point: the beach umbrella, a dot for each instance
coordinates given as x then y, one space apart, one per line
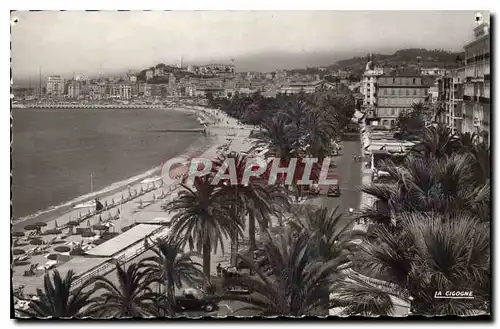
30 227
100 227
142 190
72 223
112 201
62 249
118 211
77 252
52 256
40 224
109 216
100 219
79 215
37 242
55 223
88 234
18 252
106 203
98 241
53 231
18 234
88 223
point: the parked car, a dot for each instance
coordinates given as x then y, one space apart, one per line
314 189
334 190
196 300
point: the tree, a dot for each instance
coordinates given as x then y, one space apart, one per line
172 267
411 123
255 197
132 297
334 239
443 185
58 300
432 252
294 283
203 218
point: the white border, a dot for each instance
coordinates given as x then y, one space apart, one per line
185 5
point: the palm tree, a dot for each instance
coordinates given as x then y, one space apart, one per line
432 252
172 267
436 141
280 137
335 237
202 216
131 297
443 185
58 300
295 283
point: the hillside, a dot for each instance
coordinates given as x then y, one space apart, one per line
404 57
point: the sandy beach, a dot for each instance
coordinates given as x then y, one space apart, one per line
146 205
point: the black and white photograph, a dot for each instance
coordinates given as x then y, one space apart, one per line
226 163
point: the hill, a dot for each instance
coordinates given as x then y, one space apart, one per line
403 58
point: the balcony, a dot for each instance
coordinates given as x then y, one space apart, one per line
483 100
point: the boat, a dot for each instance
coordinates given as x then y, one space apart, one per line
89 204
150 180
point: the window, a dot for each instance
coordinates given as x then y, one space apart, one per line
407 92
385 122
393 80
414 92
392 92
414 80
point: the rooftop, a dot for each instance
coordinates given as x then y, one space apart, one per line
124 240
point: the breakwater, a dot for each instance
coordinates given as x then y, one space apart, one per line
93 106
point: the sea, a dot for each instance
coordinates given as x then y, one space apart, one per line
57 153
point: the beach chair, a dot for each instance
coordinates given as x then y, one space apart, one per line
31 270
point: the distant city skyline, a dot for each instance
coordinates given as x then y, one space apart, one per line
88 42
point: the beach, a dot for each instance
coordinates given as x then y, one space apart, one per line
145 207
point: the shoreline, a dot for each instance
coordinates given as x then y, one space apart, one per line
200 145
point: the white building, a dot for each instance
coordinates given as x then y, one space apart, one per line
125 91
55 85
133 78
369 83
74 90
149 74
433 71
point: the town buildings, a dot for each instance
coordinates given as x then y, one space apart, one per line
396 92
476 94
465 92
55 86
307 87
369 83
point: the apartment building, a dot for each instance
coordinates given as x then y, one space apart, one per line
476 94
55 86
369 83
74 90
396 92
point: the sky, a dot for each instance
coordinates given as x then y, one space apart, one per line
88 42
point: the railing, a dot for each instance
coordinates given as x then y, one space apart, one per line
108 266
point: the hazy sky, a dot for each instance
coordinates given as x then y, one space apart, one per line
63 42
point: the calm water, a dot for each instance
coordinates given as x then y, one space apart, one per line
56 150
